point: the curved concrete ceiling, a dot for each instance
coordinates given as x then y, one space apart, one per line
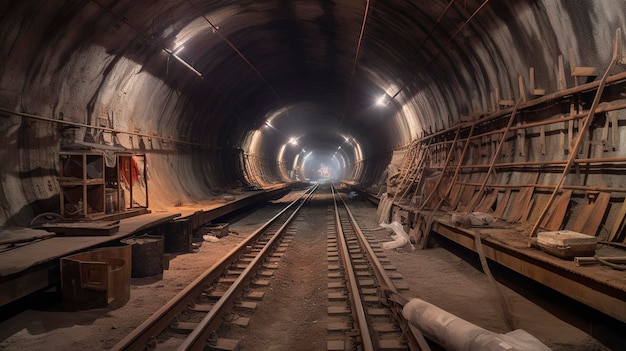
208 73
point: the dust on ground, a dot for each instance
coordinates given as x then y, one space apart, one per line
293 312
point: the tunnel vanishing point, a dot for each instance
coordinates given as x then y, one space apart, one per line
512 109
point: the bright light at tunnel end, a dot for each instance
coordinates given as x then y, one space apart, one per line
293 141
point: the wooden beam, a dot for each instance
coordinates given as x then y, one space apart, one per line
560 78
522 88
578 71
534 90
618 224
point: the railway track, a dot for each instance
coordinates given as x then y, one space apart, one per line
365 288
189 321
364 306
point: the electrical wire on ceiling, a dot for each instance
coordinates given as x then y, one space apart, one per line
241 55
151 41
430 32
432 59
356 61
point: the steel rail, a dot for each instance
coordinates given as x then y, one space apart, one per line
198 337
139 338
415 339
379 271
358 310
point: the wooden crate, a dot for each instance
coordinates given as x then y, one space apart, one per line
97 278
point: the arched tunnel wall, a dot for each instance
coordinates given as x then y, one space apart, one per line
103 65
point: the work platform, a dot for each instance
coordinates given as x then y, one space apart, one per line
596 286
31 267
599 287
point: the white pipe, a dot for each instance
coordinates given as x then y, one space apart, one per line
456 334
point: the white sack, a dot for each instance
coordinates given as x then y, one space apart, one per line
400 237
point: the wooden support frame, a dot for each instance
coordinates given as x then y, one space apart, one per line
581 132
571 129
443 172
496 155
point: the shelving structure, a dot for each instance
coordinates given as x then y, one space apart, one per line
91 190
82 181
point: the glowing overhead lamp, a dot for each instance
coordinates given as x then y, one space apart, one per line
293 141
383 100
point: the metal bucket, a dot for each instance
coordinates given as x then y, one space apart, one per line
147 255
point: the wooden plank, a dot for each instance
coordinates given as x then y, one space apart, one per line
93 228
554 218
499 212
589 219
560 78
16 235
455 197
526 214
523 200
585 72
476 198
522 88
582 217
580 71
533 89
466 195
618 225
488 200
599 210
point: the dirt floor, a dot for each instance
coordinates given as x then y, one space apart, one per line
293 312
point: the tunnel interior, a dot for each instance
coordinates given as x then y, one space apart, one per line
224 94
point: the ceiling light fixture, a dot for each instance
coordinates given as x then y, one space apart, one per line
383 100
190 67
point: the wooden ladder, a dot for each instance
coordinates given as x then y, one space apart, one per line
413 173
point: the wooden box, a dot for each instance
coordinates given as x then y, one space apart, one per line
567 244
97 278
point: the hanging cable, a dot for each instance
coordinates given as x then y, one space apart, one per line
430 32
170 53
355 63
442 48
243 57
